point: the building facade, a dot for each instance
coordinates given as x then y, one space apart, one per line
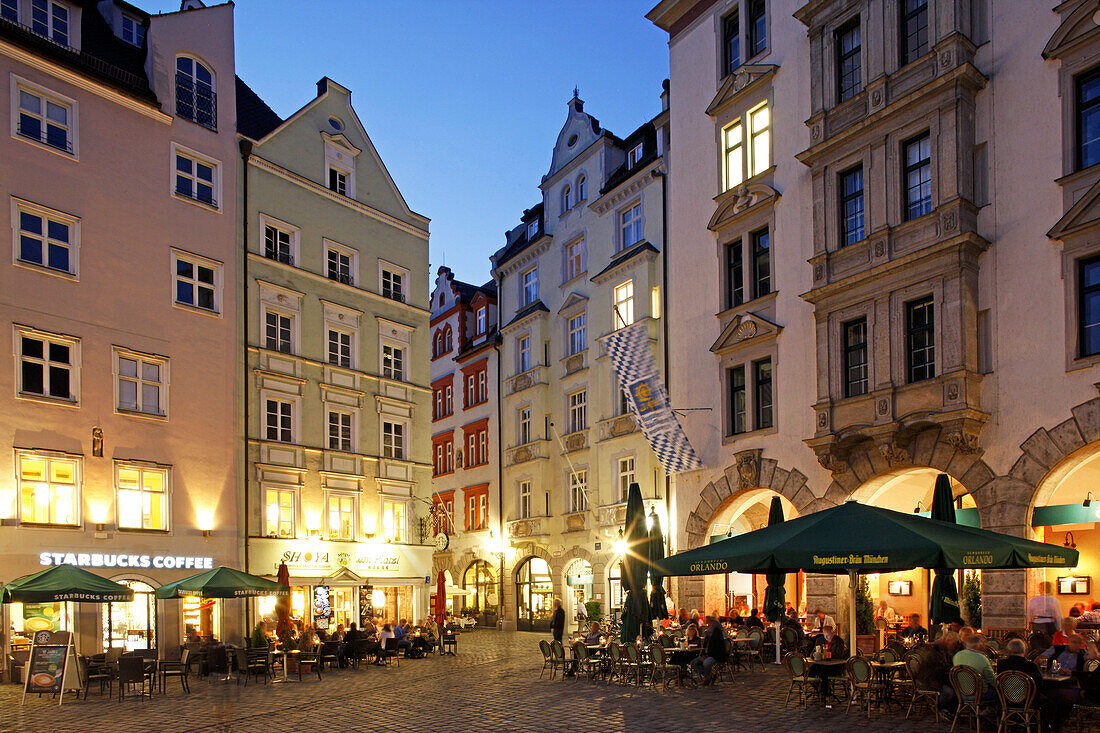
904 218
120 321
585 261
465 439
336 384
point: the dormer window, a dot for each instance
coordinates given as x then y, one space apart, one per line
340 163
133 32
481 320
50 20
532 229
338 181
196 99
635 155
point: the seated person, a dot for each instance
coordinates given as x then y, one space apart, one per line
821 620
754 621
935 672
1069 625
1071 656
691 637
353 634
835 647
337 635
914 630
973 657
383 635
369 629
592 638
1015 659
399 634
714 652
885 612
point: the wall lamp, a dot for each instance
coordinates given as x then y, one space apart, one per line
1070 542
1088 500
919 508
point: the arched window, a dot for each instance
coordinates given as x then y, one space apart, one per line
132 624
582 188
196 99
480 578
442 342
566 198
534 595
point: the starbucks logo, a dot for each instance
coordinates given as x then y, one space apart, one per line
43 637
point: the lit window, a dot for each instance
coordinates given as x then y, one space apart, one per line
197 282
524 499
339 430
46 118
630 226
341 516
48 489
393 285
50 20
280 512
133 32
626 476
578 341
578 411
760 142
733 147
623 304
918 176
278 245
635 155
339 348
574 259
393 362
394 520
578 491
279 421
196 178
196 99
393 440
530 282
277 332
47 365
46 239
142 497
142 382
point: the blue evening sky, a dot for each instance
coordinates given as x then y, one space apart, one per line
463 99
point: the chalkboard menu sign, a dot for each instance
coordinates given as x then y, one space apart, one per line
46 667
322 606
366 604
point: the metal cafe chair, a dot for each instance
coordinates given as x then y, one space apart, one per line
921 696
181 669
1017 692
859 684
968 689
805 685
557 658
312 659
131 671
547 660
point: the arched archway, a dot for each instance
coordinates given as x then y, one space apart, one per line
580 587
131 624
480 577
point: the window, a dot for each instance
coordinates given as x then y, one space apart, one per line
197 282
566 198
524 499
48 489
848 61
338 181
277 330
530 284
393 285
482 391
483 446
133 32
624 402
394 520
623 304
532 229
280 510
735 275
731 42
481 320
578 491
50 20
46 239
918 176
142 497
442 342
630 226
195 178
339 348
626 476
393 362
758 27
920 338
472 457
393 439
761 263
279 421
447 401
914 30
855 357
635 155
341 516
142 382
582 187
277 245
339 430
851 206
1088 278
47 365
340 267
46 118
1088 119
578 341
760 141
525 426
9 10
524 351
578 411
736 377
762 396
734 153
196 99
575 258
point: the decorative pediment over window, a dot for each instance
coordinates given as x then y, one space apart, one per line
1083 215
738 201
575 300
742 329
341 141
740 84
1077 27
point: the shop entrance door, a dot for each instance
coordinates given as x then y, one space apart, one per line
131 625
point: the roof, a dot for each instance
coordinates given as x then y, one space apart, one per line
627 254
254 118
516 240
647 136
492 336
527 310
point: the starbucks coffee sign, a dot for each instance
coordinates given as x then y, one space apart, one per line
119 560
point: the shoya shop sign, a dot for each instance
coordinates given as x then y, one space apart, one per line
120 560
363 558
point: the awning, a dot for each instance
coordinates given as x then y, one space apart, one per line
1052 516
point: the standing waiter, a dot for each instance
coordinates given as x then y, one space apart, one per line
557 621
1044 613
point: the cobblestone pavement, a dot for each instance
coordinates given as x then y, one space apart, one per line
492 685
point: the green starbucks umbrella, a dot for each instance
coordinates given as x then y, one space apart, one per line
65 583
943 605
635 566
222 582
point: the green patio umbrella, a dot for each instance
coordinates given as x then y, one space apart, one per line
658 609
222 582
65 583
775 595
943 604
635 566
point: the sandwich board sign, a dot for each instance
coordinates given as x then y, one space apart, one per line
51 663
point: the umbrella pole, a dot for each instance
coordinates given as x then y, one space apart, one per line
853 585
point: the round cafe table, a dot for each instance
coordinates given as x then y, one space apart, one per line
825 669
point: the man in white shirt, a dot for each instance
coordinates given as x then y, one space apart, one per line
822 620
884 611
1043 612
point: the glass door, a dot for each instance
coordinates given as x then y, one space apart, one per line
131 625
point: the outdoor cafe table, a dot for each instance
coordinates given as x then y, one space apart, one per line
825 669
286 655
885 672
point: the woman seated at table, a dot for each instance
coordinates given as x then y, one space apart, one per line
714 653
753 621
1078 686
691 637
1069 626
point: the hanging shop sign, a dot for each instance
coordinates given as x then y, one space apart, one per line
120 560
321 558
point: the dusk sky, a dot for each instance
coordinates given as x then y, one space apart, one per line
463 99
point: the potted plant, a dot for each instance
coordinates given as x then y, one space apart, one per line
866 636
972 599
593 608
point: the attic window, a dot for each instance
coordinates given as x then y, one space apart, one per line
133 32
635 155
532 229
336 124
572 140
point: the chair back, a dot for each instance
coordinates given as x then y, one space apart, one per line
631 652
993 645
242 659
897 647
666 641
185 658
795 664
1039 640
880 623
544 647
615 651
888 655
557 651
580 651
113 654
1092 665
859 670
756 638
912 666
657 652
389 644
1016 690
789 637
131 669
967 684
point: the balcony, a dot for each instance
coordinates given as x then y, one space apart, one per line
615 427
529 452
576 521
536 375
575 441
612 516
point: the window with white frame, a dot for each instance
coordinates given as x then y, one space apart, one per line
393 284
472 458
523 350
142 497
575 257
279 420
142 382
566 198
393 362
582 187
395 519
280 512
484 509
630 226
278 332
46 238
339 430
760 138
393 439
340 348
340 264
529 281
46 117
49 488
196 177
626 476
578 491
524 499
578 340
532 229
635 155
481 320
341 515
622 305
578 411
524 422
196 98
279 243
133 32
483 445
733 154
338 180
48 365
198 281
9 10
50 20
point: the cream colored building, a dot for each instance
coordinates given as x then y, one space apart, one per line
118 178
338 404
930 244
586 260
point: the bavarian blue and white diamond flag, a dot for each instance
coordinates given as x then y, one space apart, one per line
633 362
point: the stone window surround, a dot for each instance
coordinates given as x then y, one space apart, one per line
835 328
1074 250
739 110
763 348
718 19
742 229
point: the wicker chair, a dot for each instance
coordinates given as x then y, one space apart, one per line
789 637
661 666
967 684
585 663
547 663
557 658
666 641
859 685
795 665
632 663
726 666
888 656
921 696
756 644
614 662
1016 691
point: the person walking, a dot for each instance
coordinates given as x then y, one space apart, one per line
557 621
